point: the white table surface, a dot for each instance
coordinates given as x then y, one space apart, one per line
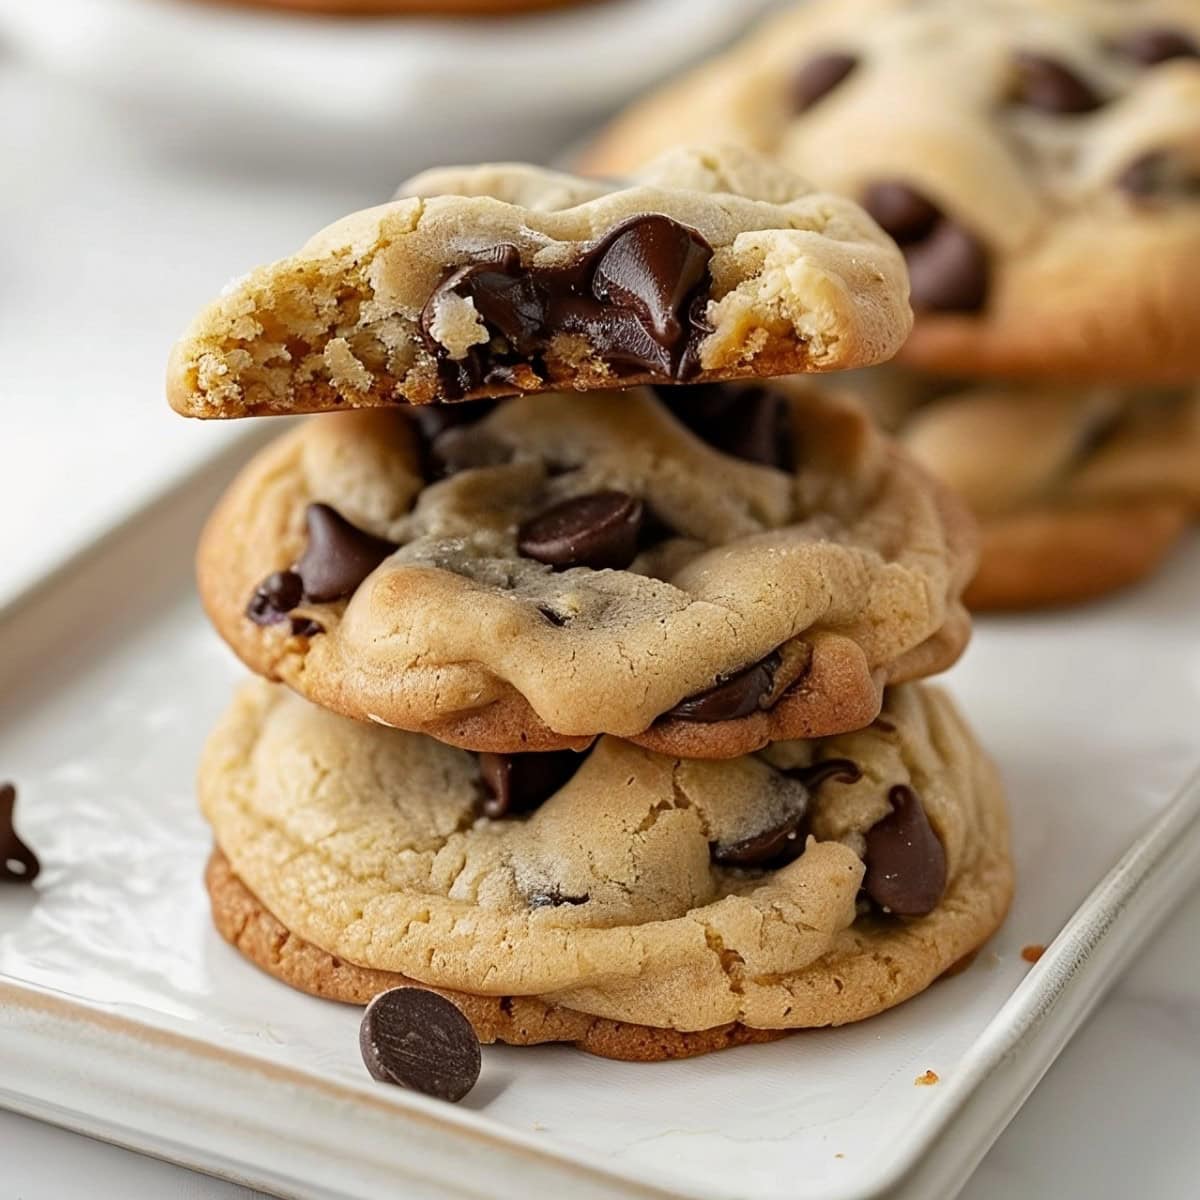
106 249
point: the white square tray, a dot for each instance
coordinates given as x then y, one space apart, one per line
122 1014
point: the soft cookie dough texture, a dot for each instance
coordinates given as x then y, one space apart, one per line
365 844
800 281
1078 490
1083 192
849 567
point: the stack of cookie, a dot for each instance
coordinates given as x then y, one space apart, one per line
1039 163
591 704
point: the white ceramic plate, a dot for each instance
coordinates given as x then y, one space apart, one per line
122 1014
269 84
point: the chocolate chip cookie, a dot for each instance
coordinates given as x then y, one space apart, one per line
490 281
1079 490
701 575
1038 163
618 893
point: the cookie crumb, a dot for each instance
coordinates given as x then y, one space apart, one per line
1032 952
839 1156
928 1079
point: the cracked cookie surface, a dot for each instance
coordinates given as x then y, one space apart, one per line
368 844
1039 164
1079 490
555 568
499 280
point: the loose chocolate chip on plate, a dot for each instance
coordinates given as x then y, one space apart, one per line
906 863
737 696
1051 86
339 555
515 783
18 864
817 77
1153 46
275 597
599 530
418 1040
948 270
901 210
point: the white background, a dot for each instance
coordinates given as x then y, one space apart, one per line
109 240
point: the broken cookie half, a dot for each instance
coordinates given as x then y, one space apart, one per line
498 280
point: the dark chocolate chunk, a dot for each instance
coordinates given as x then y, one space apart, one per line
901 210
817 77
18 864
652 267
1153 46
906 863
418 1040
1158 173
338 557
948 270
751 422
773 848
598 530
638 296
1051 86
553 898
732 697
515 783
275 597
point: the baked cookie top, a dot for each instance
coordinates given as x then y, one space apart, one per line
1038 161
531 574
498 280
811 884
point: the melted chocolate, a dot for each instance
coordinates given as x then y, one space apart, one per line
637 296
517 783
906 863
736 696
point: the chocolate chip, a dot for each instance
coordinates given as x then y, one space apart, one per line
555 618
818 77
901 210
306 627
515 783
638 296
815 774
418 1040
275 597
553 898
735 696
906 864
1153 46
948 270
752 422
338 557
773 848
18 864
1158 173
598 530
1050 86
652 267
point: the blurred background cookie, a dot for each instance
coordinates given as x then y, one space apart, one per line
1038 163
